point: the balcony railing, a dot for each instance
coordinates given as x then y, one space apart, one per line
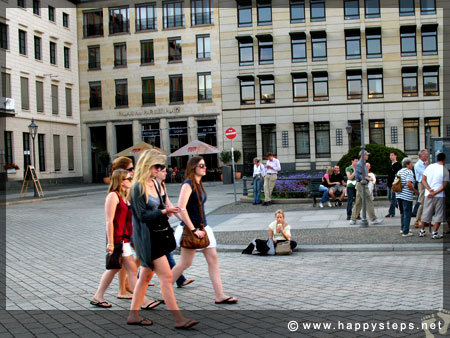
148 98
145 24
176 96
93 29
119 27
171 21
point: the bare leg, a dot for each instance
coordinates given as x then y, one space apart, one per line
332 195
105 281
342 195
436 226
186 258
123 292
139 294
131 270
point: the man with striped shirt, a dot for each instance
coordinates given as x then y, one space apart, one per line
405 197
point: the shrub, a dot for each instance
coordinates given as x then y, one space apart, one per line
225 156
378 159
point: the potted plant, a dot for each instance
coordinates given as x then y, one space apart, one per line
11 168
225 157
105 160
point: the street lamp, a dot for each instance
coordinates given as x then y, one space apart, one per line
364 223
349 133
33 127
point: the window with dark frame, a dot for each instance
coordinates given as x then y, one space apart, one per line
36 7
320 86
174 49
265 49
147 52
245 50
120 54
65 18
406 7
269 138
373 42
375 83
427 7
247 89
317 10
300 87
70 158
322 138
411 136
204 87
52 53
121 93
39 96
372 8
244 8
203 47
37 48
148 90
8 147
354 84
409 81
3 36
173 14
55 100
431 80
201 12
266 88
351 9
93 23
352 44
264 12
145 17
66 57
176 88
429 39
432 129
94 57
22 42
302 146
68 101
319 45
408 40
298 47
24 93
376 132
21 3
41 151
297 10
56 153
118 20
51 13
95 94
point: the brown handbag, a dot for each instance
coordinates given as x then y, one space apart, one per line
188 239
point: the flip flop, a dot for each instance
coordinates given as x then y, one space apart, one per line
228 300
186 282
186 326
103 304
151 284
125 297
142 322
151 306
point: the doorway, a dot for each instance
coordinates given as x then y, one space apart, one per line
98 144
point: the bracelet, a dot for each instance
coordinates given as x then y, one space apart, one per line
195 229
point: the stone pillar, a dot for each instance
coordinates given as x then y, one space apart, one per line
192 129
137 132
164 134
110 138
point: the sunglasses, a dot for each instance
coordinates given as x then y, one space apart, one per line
202 166
128 179
130 169
160 166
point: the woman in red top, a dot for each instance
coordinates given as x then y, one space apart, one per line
118 230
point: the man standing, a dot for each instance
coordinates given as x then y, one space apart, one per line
361 173
419 168
393 169
351 183
435 179
272 168
338 187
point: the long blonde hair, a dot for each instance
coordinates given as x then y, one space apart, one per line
142 172
117 177
330 171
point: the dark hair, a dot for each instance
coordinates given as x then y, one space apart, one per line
269 153
355 158
120 163
440 157
190 173
394 152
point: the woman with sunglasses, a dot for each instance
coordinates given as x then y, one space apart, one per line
192 203
153 238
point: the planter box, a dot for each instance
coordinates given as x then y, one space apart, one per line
11 171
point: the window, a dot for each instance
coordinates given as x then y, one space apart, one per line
376 132
70 161
3 36
65 18
353 44
351 9
55 101
409 81
267 88
51 13
56 153
148 90
8 147
317 10
375 83
320 86
302 148
120 54
201 12
269 138
406 7
37 48
26 150
145 17
265 49
93 23
118 20
173 14
430 80
95 94
264 11
147 55
22 42
297 10
6 85
298 47
21 3
36 7
245 50
176 88
39 96
41 151
319 46
373 42
174 49
432 129
408 40
372 8
68 101
52 53
25 94
322 133
204 86
203 47
121 93
247 89
411 136
66 57
300 86
427 7
94 57
429 40
354 84
244 13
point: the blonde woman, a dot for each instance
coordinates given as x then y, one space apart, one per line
153 238
280 230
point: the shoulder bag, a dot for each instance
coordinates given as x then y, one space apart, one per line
114 261
283 248
397 184
188 239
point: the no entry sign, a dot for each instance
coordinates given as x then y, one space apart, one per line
230 133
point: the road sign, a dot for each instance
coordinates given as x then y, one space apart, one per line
230 133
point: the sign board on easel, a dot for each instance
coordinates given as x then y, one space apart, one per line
30 174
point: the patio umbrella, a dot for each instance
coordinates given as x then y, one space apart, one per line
195 147
137 149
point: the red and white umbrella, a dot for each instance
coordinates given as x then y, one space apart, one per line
195 147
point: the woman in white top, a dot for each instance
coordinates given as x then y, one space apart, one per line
371 184
258 174
280 230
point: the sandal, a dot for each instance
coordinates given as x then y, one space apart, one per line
103 304
186 282
142 322
186 326
228 300
151 306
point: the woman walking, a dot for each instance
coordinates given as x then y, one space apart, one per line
191 201
153 238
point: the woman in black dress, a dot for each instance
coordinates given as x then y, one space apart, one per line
153 238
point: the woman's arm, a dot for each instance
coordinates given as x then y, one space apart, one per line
286 232
111 202
139 205
185 193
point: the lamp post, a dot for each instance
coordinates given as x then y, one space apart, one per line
349 133
33 127
364 223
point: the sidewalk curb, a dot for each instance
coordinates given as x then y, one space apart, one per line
51 198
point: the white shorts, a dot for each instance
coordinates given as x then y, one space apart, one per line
127 250
209 232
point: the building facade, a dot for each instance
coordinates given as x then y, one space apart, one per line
148 72
292 73
39 81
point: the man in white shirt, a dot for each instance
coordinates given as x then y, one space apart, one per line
419 168
435 179
272 168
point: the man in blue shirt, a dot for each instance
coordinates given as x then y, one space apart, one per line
419 168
